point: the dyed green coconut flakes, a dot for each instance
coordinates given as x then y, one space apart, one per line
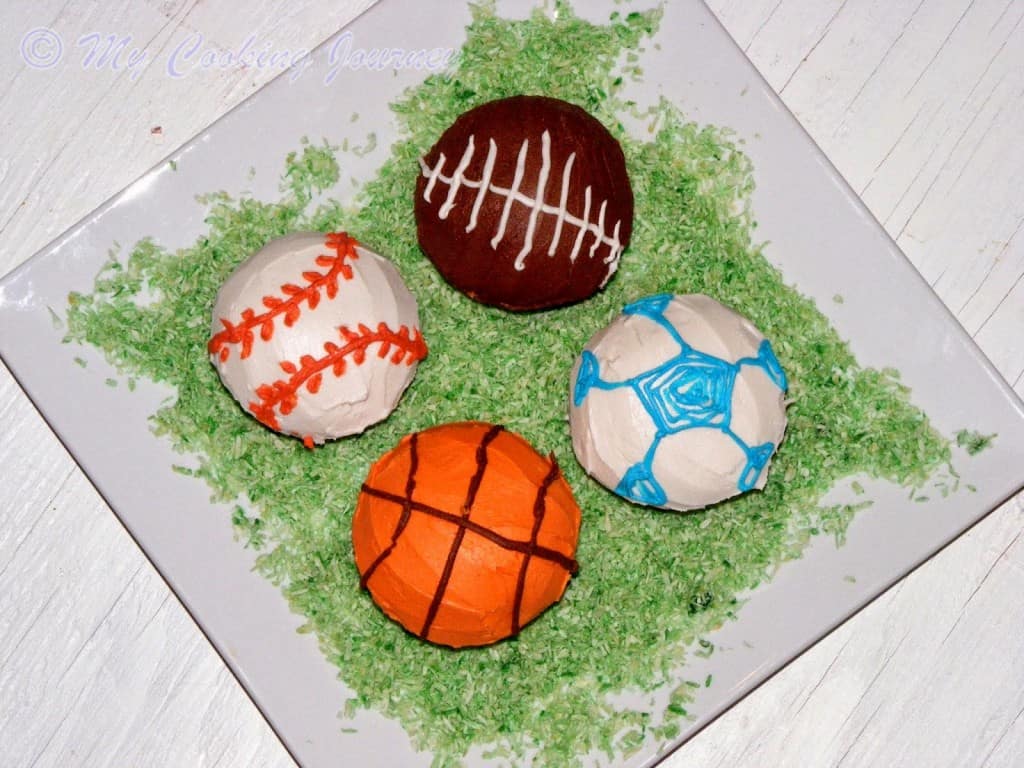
974 442
652 584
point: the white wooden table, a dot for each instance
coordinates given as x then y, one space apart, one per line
920 104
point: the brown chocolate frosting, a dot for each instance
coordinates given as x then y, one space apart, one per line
525 203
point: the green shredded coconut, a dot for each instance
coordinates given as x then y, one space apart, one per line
973 442
652 585
368 147
666 733
704 650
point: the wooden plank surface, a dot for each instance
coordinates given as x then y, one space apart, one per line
919 103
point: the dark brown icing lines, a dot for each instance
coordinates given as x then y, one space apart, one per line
460 534
403 520
545 553
529 549
539 508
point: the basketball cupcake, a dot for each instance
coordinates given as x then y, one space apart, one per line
463 534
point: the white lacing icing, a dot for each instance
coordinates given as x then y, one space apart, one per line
583 229
453 190
485 183
510 195
562 210
536 204
432 176
538 198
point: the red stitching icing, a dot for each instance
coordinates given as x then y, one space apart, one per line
344 247
283 395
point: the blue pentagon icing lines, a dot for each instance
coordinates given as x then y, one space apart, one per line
690 390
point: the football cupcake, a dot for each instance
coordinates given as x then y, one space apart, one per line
524 203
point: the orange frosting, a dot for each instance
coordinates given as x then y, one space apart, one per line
463 533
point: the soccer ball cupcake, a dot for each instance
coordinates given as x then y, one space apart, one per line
679 403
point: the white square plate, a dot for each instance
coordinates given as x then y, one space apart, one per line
819 234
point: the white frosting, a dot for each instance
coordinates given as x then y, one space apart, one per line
373 294
510 198
485 182
563 207
694 466
587 199
538 201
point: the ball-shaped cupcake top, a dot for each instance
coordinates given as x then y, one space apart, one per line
463 533
678 403
316 336
525 203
